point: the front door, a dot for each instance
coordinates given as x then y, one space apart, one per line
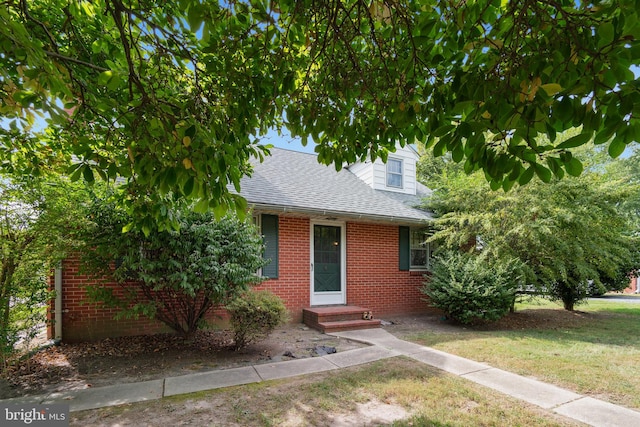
328 257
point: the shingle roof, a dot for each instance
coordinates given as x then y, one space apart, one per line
290 181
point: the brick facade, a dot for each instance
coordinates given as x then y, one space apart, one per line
374 281
84 321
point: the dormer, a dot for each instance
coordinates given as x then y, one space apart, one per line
397 175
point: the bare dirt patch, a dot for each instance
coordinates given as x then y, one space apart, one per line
141 358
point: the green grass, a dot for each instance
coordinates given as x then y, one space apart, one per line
430 397
597 353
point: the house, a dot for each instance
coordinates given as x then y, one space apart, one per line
634 287
351 238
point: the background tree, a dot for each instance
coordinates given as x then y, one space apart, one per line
40 222
569 234
172 96
174 277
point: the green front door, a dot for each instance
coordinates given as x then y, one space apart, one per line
327 255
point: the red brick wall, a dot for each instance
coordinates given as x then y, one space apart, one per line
84 321
374 281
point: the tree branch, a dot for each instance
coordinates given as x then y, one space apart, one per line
75 60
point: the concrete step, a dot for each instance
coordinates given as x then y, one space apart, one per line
347 325
338 318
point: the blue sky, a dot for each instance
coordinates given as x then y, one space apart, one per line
287 141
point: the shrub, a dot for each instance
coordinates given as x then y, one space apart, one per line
471 288
254 315
176 277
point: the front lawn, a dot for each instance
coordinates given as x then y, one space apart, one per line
593 351
398 391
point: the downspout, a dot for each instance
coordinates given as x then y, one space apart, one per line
57 308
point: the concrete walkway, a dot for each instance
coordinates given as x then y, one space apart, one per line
383 345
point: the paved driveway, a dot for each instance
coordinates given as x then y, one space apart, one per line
634 299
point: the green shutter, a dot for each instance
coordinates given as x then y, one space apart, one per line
404 248
270 235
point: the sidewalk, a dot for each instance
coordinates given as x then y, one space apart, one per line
383 345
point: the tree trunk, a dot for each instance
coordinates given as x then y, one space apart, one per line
568 303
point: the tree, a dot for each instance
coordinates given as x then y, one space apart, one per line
39 223
174 277
569 234
172 96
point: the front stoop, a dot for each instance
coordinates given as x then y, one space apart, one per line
337 318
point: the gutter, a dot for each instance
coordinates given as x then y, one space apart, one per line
340 214
57 308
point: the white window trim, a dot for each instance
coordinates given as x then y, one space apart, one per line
401 174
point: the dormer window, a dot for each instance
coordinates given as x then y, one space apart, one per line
394 173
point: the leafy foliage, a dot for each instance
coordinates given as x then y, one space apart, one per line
173 96
174 277
254 315
472 288
39 223
570 234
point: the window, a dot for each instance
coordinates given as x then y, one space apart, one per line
394 173
418 249
414 251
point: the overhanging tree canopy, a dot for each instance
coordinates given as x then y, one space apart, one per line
172 95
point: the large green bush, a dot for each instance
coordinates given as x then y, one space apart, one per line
254 315
176 277
470 288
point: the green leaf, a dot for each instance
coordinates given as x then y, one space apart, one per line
187 189
507 184
104 77
77 171
617 147
468 167
605 33
551 88
564 110
543 173
526 176
114 82
464 129
202 206
195 17
551 132
574 167
128 227
575 141
443 130
457 154
603 136
440 148
87 173
171 177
